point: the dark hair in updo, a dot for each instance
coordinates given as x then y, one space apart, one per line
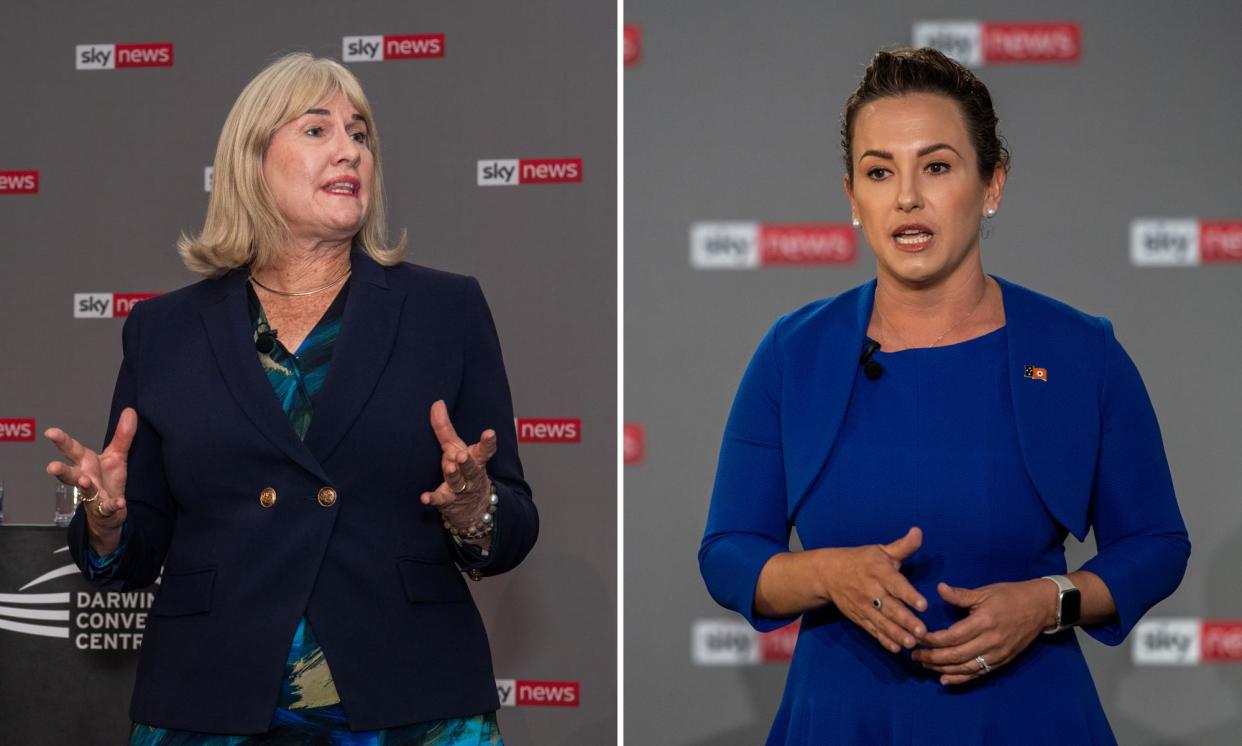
925 70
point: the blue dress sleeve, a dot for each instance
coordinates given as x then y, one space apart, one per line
1142 543
747 524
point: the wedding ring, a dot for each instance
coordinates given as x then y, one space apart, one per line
99 510
878 603
983 665
464 486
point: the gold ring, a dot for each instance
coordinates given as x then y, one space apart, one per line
89 499
464 486
99 510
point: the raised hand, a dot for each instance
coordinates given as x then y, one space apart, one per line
99 477
860 576
462 498
1004 619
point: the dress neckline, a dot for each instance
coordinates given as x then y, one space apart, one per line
964 344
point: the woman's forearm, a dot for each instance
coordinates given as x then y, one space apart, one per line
1096 601
793 582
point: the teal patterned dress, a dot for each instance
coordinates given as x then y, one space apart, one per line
308 709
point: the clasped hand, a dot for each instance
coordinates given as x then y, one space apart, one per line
1004 618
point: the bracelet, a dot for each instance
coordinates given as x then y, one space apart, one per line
478 529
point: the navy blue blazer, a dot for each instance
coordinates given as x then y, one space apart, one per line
1088 435
373 571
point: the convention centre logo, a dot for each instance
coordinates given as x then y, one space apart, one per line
386 48
521 693
91 620
517 171
19 182
632 49
634 443
17 430
733 642
979 43
117 56
545 430
746 245
106 305
1186 642
1184 242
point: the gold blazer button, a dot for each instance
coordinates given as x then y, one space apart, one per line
327 496
267 498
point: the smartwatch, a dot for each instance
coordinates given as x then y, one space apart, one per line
1069 604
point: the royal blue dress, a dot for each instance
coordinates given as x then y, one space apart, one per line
933 443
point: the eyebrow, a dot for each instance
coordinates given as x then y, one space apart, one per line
922 151
326 113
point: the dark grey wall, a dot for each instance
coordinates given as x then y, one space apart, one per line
733 114
121 155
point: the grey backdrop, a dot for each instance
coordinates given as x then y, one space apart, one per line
733 114
121 155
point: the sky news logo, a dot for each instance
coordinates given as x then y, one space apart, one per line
544 430
1184 242
209 174
116 56
17 430
387 48
634 443
979 43
519 693
632 45
106 305
1186 642
733 642
738 245
19 182
513 171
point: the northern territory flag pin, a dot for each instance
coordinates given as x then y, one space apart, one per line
1038 374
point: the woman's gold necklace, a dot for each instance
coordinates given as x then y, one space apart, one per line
338 278
936 341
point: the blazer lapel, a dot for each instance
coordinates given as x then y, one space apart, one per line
365 342
232 340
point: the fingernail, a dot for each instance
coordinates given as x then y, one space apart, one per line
919 631
909 642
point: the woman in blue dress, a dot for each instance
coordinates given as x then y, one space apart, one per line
934 436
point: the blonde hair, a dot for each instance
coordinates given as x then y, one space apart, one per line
243 226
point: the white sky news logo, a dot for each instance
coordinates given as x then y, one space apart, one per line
17 430
1184 242
746 245
209 174
19 182
978 43
545 430
106 305
520 693
115 56
515 171
387 47
733 642
1186 642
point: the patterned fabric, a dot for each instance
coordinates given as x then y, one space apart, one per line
308 709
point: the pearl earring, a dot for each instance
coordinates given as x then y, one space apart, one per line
857 223
991 212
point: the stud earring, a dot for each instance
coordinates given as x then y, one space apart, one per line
857 223
991 212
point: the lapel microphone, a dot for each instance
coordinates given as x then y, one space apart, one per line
870 367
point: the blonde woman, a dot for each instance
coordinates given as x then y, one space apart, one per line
283 454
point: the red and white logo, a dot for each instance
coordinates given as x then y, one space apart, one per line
634 442
1186 642
514 171
19 182
1220 641
106 305
18 430
1184 242
544 430
733 642
384 48
977 43
115 56
750 245
632 51
520 693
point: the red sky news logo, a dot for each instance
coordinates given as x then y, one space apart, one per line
733 642
514 171
114 56
1186 642
544 430
387 47
1184 242
743 245
978 43
106 305
632 51
19 182
519 693
633 443
19 430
